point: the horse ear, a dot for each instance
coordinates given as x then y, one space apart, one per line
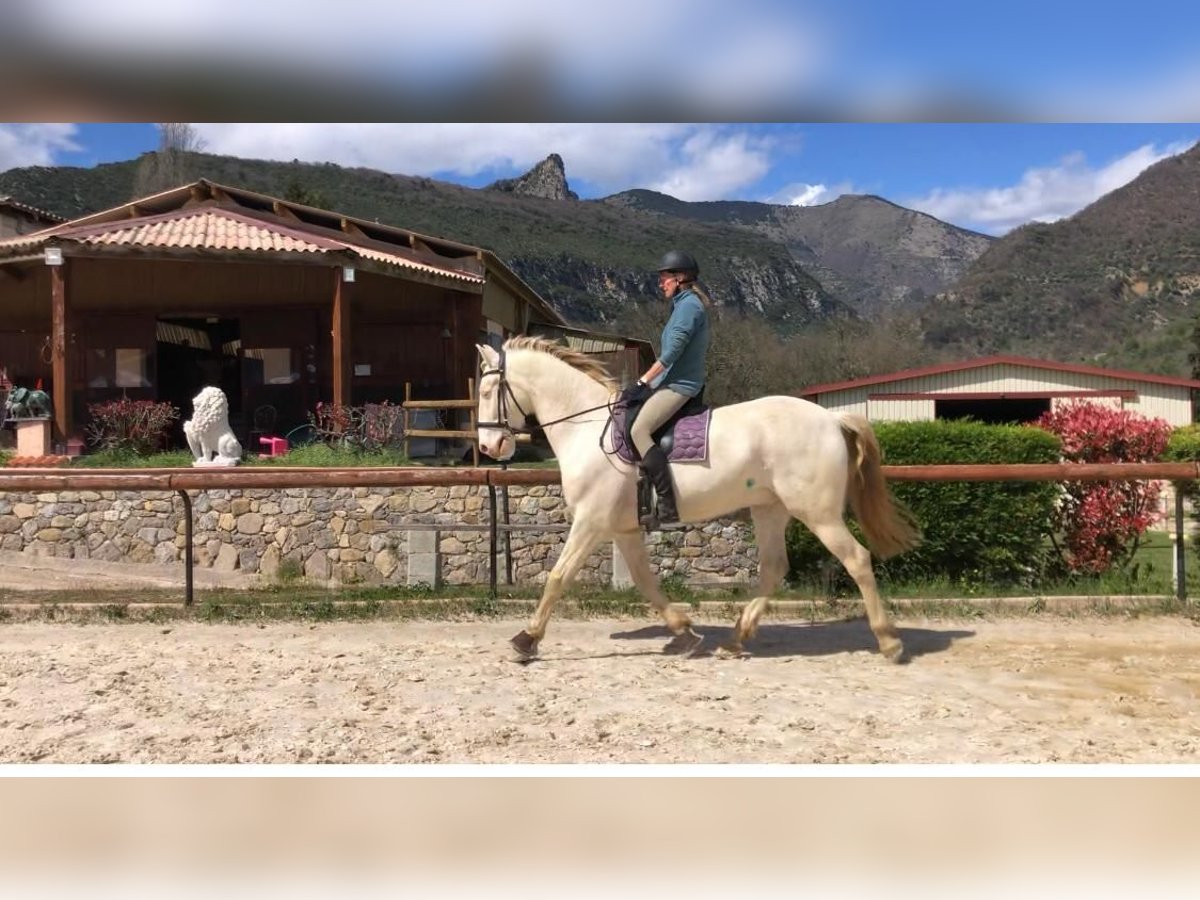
490 357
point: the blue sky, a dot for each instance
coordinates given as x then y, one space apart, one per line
988 177
985 115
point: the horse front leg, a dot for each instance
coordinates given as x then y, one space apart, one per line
581 541
633 550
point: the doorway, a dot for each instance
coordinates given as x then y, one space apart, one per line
193 353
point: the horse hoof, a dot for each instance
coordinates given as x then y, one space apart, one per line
731 651
684 644
895 654
525 645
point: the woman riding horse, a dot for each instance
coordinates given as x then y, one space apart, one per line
677 375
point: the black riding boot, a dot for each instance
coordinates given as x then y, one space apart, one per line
655 464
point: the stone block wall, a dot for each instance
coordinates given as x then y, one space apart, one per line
348 535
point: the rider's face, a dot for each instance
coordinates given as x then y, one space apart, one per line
668 283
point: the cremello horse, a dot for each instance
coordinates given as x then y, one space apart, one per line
782 457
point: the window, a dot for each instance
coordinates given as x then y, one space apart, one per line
130 367
269 365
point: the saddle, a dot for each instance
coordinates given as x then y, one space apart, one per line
683 437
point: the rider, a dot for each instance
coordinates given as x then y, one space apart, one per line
677 375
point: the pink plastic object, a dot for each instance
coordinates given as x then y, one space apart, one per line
276 446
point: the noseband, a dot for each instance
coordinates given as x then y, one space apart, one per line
503 395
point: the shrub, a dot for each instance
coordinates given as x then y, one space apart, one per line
974 532
1102 522
374 426
130 426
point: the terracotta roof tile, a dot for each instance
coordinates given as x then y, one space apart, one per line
215 228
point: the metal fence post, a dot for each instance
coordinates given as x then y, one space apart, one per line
508 565
187 548
492 531
1180 547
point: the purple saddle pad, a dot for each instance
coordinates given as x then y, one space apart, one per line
691 437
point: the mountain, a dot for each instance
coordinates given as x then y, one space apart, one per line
868 252
592 260
548 180
1115 284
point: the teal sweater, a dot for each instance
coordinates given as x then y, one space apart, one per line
685 345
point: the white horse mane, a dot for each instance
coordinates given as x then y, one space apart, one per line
576 360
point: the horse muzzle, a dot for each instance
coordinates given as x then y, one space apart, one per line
497 445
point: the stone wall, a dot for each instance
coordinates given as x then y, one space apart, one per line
349 535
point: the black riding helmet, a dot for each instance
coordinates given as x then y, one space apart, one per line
678 261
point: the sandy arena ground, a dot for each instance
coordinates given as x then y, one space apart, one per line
1040 689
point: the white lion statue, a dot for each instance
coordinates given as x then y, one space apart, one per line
208 432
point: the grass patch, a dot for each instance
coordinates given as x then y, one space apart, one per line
317 455
719 604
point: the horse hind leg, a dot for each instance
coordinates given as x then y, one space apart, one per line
770 533
633 550
857 560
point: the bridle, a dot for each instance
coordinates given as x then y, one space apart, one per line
505 393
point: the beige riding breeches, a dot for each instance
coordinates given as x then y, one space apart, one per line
661 406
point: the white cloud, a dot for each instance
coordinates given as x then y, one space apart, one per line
1043 194
34 145
804 194
691 162
715 164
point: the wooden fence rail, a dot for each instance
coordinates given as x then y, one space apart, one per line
182 480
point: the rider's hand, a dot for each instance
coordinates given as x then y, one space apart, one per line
636 393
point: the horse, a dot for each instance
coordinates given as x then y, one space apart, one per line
782 457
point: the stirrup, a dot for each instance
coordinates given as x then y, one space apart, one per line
650 521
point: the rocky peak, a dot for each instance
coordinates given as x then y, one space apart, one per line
548 180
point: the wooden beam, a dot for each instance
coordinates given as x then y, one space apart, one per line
351 229
284 212
341 339
58 350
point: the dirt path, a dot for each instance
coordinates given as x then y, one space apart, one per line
1044 689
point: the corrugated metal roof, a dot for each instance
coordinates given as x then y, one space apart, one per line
999 360
220 229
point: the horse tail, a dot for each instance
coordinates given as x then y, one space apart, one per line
888 525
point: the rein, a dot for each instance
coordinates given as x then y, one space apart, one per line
506 392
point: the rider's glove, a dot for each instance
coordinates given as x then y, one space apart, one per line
636 393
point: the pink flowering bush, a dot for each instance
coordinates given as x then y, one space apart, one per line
1101 522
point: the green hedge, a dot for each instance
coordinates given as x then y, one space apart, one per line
1183 445
974 532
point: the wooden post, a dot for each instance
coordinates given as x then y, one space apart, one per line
58 349
472 413
407 422
340 331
